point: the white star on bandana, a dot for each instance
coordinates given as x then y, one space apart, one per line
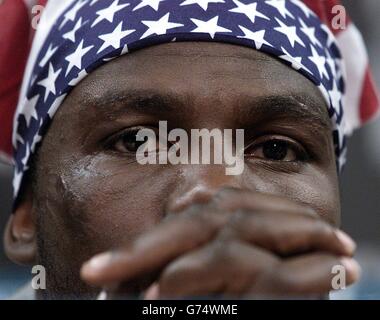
160 26
109 13
113 39
280 5
75 59
71 34
250 10
154 4
290 32
202 3
211 26
257 37
71 15
49 82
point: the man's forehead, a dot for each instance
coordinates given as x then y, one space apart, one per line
179 65
162 71
198 49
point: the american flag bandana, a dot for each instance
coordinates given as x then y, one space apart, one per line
89 33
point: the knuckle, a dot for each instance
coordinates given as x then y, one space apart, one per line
226 191
236 220
221 251
236 227
323 230
223 195
287 281
200 218
173 275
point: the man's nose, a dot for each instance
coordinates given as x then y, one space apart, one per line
198 184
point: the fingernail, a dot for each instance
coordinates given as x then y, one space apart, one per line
352 268
152 293
97 263
346 240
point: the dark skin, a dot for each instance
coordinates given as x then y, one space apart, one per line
186 230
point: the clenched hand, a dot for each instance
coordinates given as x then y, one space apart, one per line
239 244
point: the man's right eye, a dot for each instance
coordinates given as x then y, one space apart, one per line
127 142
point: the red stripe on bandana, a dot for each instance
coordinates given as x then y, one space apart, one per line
324 10
369 102
14 47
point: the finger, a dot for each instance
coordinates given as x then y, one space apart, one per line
288 233
153 250
310 275
226 268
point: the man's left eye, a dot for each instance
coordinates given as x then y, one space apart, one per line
276 150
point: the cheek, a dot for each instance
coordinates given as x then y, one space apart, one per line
320 194
316 188
108 202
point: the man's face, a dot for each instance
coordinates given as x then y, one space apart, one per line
92 195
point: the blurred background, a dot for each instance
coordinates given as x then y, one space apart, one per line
360 183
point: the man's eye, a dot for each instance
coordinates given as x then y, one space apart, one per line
127 141
277 150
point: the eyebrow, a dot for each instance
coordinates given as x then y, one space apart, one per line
301 107
114 104
289 107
